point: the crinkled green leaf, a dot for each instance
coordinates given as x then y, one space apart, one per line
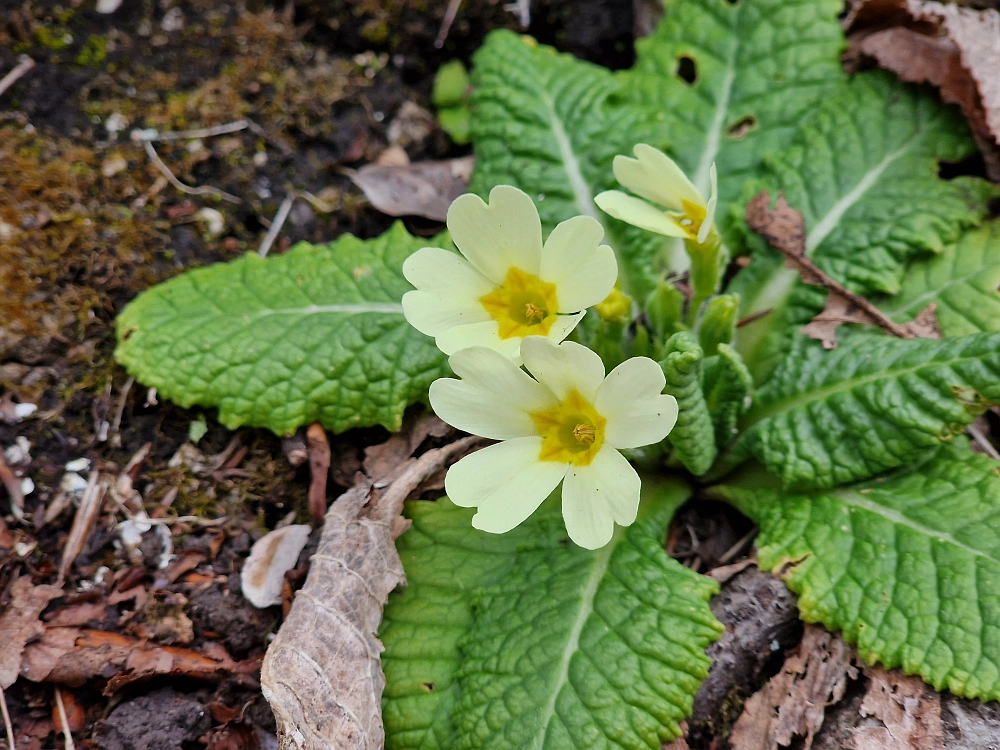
314 335
830 417
727 386
760 67
863 172
962 281
526 640
542 121
693 437
718 323
908 566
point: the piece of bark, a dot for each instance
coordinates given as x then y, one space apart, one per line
908 709
322 674
319 467
953 48
424 188
793 702
20 624
785 229
969 725
761 618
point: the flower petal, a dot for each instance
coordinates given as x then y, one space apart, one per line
564 325
713 201
439 271
477 334
596 496
495 237
432 314
564 367
656 177
473 410
639 213
506 482
631 399
583 270
502 379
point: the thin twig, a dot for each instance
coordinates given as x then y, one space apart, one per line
277 224
6 719
83 522
117 422
983 442
63 720
181 135
446 22
523 10
24 64
730 553
165 171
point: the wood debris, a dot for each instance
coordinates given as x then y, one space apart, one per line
908 709
785 229
794 701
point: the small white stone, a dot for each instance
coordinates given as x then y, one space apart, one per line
213 220
78 464
108 6
22 411
27 486
115 123
73 484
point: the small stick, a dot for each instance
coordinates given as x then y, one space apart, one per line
277 224
13 486
121 405
63 720
180 135
983 442
446 22
83 522
319 466
165 171
23 66
6 720
730 553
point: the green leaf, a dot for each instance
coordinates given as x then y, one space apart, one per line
542 121
760 67
962 281
526 640
908 566
314 335
451 83
727 386
693 437
863 171
826 418
718 323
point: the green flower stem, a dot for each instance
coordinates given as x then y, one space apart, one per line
707 261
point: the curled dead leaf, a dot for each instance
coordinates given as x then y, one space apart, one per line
271 557
20 624
424 188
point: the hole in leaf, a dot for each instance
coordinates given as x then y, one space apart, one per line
741 127
687 69
428 686
971 166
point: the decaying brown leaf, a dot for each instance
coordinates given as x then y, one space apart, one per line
71 656
19 624
909 710
384 462
794 701
322 674
271 557
319 466
424 188
956 49
785 229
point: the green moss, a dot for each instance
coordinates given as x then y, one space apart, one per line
53 37
94 52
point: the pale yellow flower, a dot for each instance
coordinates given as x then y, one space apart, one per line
654 176
508 285
566 424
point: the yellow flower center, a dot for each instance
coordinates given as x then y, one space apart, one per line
572 432
694 216
523 305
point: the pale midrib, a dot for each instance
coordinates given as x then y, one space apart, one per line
852 498
581 190
351 309
714 140
601 560
775 291
918 302
841 387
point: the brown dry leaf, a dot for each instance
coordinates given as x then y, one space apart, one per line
384 462
20 624
71 656
794 701
424 188
322 674
785 229
271 557
956 49
909 710
319 467
77 615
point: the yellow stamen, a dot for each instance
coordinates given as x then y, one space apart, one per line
572 432
523 305
694 216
